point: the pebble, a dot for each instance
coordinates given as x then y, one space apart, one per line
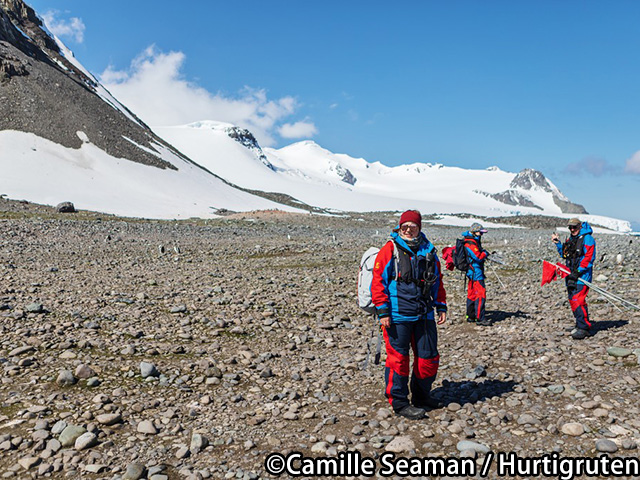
619 352
35 308
526 419
148 370
607 446
572 428
466 445
66 378
400 445
29 462
21 350
134 471
84 371
109 419
86 440
198 442
147 427
70 434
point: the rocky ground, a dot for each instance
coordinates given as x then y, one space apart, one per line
146 349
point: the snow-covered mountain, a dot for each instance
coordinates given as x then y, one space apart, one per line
64 137
340 182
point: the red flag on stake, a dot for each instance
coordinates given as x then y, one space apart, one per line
550 272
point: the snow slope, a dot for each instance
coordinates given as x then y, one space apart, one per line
45 172
339 182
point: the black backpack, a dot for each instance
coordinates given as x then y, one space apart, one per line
460 260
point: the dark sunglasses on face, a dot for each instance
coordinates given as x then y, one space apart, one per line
574 227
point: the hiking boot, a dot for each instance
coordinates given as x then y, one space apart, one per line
430 402
470 320
580 333
484 323
411 412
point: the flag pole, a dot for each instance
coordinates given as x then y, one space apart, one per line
600 290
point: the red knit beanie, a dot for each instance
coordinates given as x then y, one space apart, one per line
411 216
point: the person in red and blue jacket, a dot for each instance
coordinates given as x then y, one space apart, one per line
476 290
579 252
406 288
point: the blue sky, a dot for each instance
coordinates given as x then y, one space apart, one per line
551 85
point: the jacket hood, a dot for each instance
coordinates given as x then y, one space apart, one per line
586 229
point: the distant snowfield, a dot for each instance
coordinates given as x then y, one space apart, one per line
317 177
41 171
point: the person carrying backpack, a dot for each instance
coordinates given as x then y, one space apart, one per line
476 291
579 252
406 288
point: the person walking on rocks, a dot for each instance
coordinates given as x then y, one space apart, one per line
476 290
579 253
406 288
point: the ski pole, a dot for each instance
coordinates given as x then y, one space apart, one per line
496 274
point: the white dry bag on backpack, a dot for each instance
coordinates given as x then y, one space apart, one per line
365 277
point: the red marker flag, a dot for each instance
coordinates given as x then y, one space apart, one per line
550 272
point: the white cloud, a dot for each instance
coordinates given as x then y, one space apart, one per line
297 130
154 88
633 164
72 28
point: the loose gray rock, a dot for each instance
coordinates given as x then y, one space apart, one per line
607 446
29 462
465 445
84 371
134 471
66 378
70 434
35 308
526 419
147 427
572 428
21 350
86 440
619 352
400 444
109 419
148 370
198 443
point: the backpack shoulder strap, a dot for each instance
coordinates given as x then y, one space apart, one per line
396 260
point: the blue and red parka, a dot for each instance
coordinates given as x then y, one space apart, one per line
475 255
580 252
407 286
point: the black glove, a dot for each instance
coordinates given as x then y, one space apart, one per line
573 277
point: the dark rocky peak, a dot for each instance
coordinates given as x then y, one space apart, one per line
246 138
44 93
243 136
21 27
345 175
529 178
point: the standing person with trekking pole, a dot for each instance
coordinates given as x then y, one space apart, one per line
476 290
579 253
406 288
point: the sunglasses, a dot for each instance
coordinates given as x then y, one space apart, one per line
574 227
411 228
